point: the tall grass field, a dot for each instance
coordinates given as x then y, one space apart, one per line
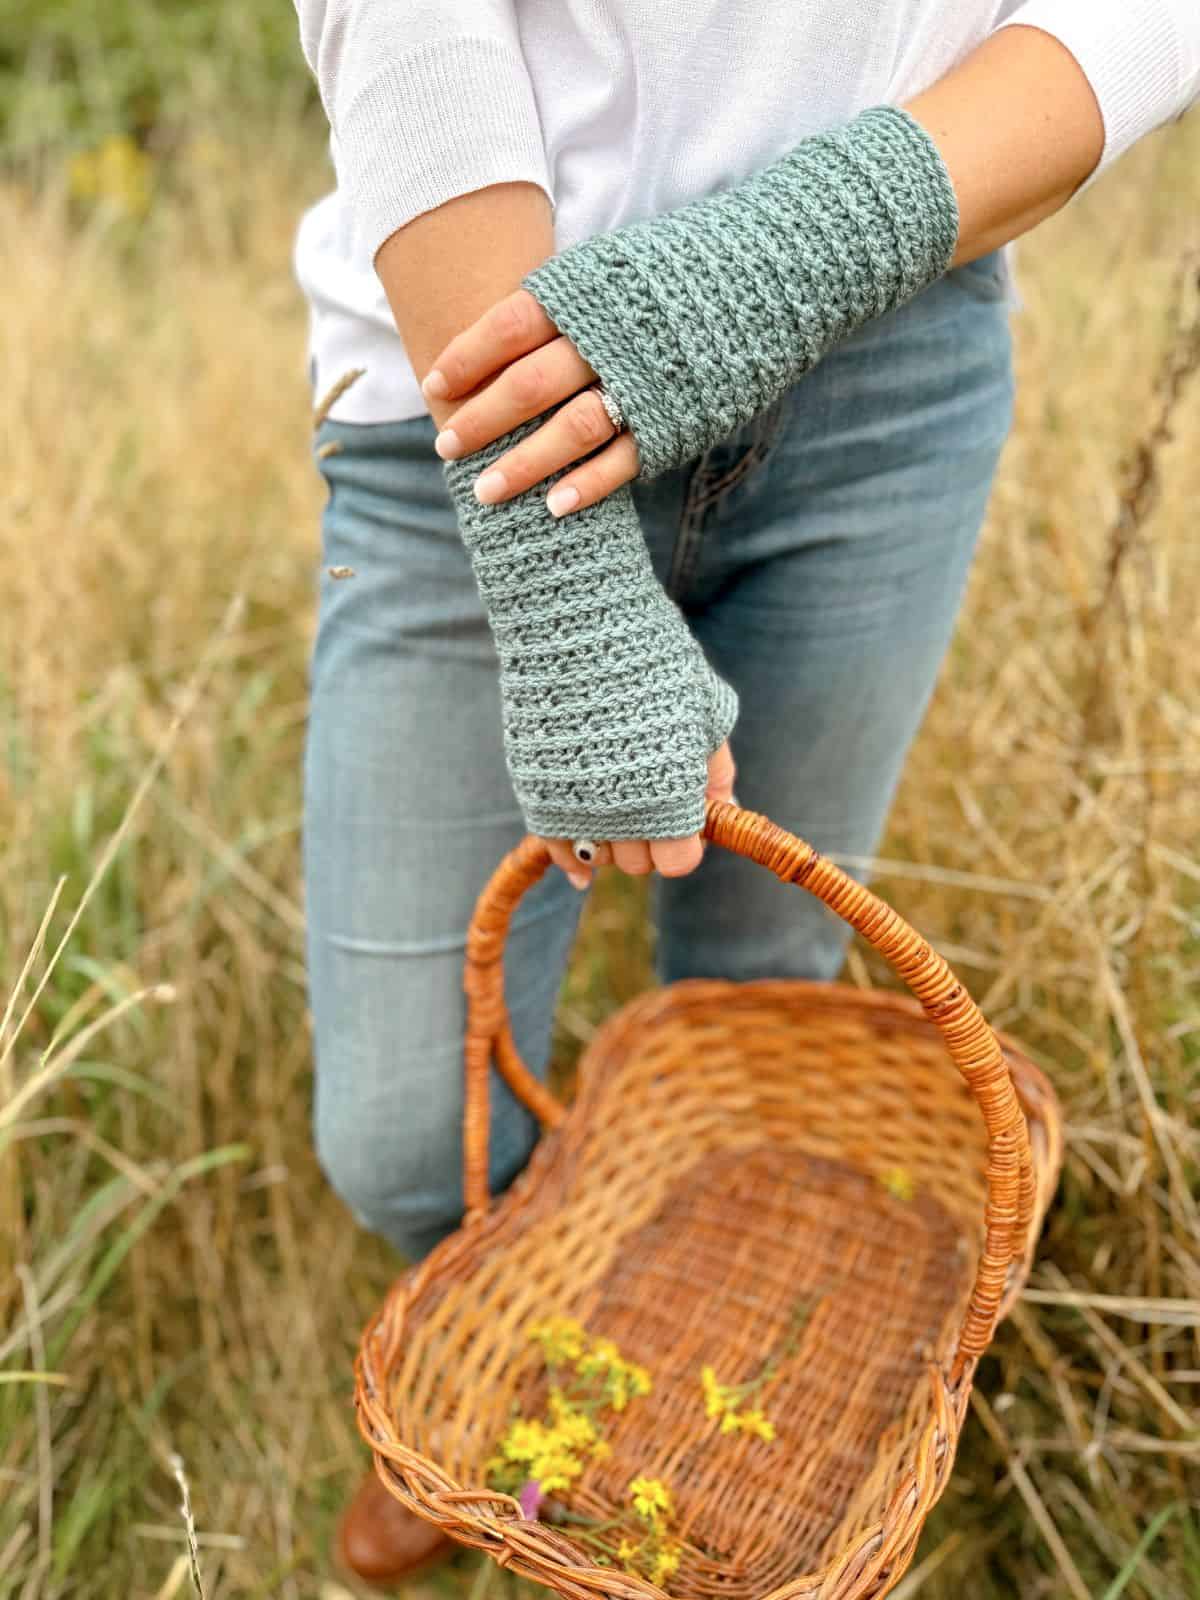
180 1293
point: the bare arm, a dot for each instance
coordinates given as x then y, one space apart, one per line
445 268
1019 129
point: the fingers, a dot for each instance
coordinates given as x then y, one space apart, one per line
533 369
562 853
508 330
673 858
570 433
596 478
632 856
525 389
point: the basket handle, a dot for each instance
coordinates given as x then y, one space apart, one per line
973 1046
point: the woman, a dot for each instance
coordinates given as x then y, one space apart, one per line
738 455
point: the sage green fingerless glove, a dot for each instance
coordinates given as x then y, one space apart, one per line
698 319
610 708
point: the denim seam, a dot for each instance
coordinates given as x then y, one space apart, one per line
705 488
687 540
426 947
766 426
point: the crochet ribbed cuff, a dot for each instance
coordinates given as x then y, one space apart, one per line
698 319
610 708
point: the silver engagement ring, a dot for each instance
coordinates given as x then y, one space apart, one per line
611 407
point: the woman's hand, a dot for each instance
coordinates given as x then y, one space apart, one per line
440 271
531 367
674 858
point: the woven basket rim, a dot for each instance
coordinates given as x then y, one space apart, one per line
653 1004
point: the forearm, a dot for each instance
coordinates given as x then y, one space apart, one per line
1019 129
446 267
846 227
1017 125
610 710
696 319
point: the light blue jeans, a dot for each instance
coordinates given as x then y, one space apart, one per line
820 556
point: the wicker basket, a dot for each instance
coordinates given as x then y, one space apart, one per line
728 1151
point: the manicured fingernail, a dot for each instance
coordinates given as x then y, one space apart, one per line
491 485
435 385
448 445
559 501
578 880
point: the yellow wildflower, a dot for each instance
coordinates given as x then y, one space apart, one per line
555 1461
523 1440
722 1401
640 1381
573 1428
666 1561
757 1422
544 1454
626 1551
719 1398
714 1395
551 1482
561 1338
651 1498
577 1431
556 1469
550 1452
899 1181
622 1379
595 1362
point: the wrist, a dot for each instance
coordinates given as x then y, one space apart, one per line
697 320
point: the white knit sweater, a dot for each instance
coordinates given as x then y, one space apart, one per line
621 109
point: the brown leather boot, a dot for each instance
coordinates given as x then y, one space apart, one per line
381 1542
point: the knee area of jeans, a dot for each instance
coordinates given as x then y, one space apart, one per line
384 1178
405 1182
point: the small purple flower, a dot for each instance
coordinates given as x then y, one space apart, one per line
530 1500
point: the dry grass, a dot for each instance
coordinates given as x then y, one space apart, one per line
173 1273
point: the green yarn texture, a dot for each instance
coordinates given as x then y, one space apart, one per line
610 708
698 319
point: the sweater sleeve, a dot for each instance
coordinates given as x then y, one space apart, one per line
1142 58
426 100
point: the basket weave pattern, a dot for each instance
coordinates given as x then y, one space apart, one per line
726 1158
